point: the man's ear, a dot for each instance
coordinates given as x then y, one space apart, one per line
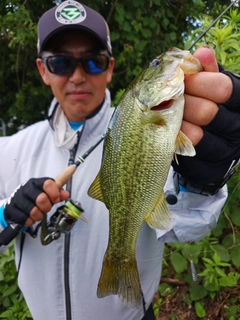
42 71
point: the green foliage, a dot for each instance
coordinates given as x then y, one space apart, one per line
223 37
199 307
216 259
21 91
157 306
117 98
12 307
178 261
213 272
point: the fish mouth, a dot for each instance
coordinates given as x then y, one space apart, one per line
163 105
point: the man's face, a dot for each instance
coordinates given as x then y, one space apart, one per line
80 93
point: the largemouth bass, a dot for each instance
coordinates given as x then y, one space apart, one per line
142 138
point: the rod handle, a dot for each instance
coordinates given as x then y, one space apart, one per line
64 176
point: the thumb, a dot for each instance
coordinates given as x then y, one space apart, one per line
207 57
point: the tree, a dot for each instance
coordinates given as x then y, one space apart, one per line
21 90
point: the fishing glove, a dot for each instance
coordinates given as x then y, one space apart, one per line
19 205
218 153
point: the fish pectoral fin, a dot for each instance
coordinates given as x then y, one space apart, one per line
160 217
184 146
95 190
152 117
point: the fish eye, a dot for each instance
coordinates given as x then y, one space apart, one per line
155 63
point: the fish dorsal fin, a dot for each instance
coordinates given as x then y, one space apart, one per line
95 190
153 117
160 217
184 145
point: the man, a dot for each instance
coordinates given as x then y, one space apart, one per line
59 280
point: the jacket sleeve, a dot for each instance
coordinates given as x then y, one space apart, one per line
193 215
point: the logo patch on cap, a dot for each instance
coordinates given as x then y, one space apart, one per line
70 12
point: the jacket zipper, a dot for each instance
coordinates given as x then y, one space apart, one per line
73 152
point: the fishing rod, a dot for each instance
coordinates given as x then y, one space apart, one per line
74 210
233 3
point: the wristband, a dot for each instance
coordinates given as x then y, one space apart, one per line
208 189
3 222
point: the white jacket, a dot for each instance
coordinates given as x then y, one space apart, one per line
61 278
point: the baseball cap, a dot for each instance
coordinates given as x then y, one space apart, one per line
72 15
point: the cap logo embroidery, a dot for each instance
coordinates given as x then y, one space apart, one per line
70 12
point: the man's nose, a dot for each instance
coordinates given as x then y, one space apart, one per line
79 75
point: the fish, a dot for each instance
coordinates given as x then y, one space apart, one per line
142 138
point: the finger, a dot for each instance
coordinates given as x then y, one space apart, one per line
45 200
43 203
209 84
192 131
36 214
51 189
207 57
29 222
199 111
64 195
213 86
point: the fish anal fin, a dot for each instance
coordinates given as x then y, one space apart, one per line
95 190
122 279
151 117
184 146
160 217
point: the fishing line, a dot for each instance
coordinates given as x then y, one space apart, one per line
233 3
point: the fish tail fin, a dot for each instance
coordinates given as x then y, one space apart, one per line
121 279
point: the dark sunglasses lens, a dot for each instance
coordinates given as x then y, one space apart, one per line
95 64
61 65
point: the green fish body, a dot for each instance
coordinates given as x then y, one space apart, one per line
142 138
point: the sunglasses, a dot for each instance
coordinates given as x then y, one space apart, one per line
66 65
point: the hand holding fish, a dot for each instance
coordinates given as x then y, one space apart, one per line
203 91
210 113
